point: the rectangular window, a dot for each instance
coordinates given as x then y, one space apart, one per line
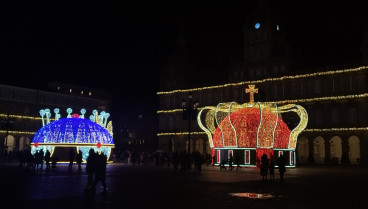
291 158
301 88
218 156
318 117
351 83
230 153
335 115
352 115
333 85
246 156
317 86
281 153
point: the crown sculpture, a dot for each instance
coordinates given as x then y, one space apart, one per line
75 132
249 130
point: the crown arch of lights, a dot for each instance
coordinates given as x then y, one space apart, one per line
256 128
74 131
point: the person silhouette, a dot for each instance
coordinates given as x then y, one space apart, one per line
47 159
271 168
281 162
90 169
71 158
264 167
100 175
78 159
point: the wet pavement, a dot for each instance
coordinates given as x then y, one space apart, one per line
160 187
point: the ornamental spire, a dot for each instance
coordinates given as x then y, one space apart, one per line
251 90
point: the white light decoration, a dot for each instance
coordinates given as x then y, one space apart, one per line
73 131
57 115
42 113
48 115
83 111
69 111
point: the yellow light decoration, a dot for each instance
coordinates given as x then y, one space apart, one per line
362 68
305 130
334 98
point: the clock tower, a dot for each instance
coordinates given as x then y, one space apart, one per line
266 52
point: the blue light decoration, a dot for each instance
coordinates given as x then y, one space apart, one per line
73 131
257 25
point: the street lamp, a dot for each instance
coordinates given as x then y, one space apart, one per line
189 113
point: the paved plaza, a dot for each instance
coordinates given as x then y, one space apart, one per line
160 187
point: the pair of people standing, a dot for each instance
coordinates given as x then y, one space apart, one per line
268 165
96 171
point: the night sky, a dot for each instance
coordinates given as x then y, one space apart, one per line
121 46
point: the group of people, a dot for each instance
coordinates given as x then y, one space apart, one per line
267 167
96 171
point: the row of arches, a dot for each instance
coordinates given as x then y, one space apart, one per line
316 150
12 144
333 149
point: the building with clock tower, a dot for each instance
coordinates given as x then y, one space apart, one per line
266 51
335 96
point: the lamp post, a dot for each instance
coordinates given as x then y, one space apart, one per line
189 113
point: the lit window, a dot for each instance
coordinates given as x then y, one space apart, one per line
277 27
70 90
58 87
90 93
81 92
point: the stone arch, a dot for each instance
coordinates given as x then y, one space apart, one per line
199 146
319 149
9 142
354 149
24 143
335 149
171 122
303 150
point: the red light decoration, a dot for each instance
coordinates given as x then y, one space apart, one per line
98 145
75 116
246 122
36 144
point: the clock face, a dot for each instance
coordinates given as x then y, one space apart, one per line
257 25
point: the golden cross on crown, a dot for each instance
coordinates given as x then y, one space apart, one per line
251 90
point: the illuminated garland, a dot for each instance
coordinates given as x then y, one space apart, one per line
17 132
305 130
334 98
270 79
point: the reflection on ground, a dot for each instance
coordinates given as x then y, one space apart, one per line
252 195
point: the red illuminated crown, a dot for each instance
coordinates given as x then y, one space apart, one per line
251 125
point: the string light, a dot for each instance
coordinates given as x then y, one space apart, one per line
317 74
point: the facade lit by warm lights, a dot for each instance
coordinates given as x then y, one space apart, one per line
334 97
20 117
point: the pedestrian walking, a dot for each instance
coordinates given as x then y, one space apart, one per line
90 169
271 168
71 158
264 167
100 175
281 162
79 159
47 159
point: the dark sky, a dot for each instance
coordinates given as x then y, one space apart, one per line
121 46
